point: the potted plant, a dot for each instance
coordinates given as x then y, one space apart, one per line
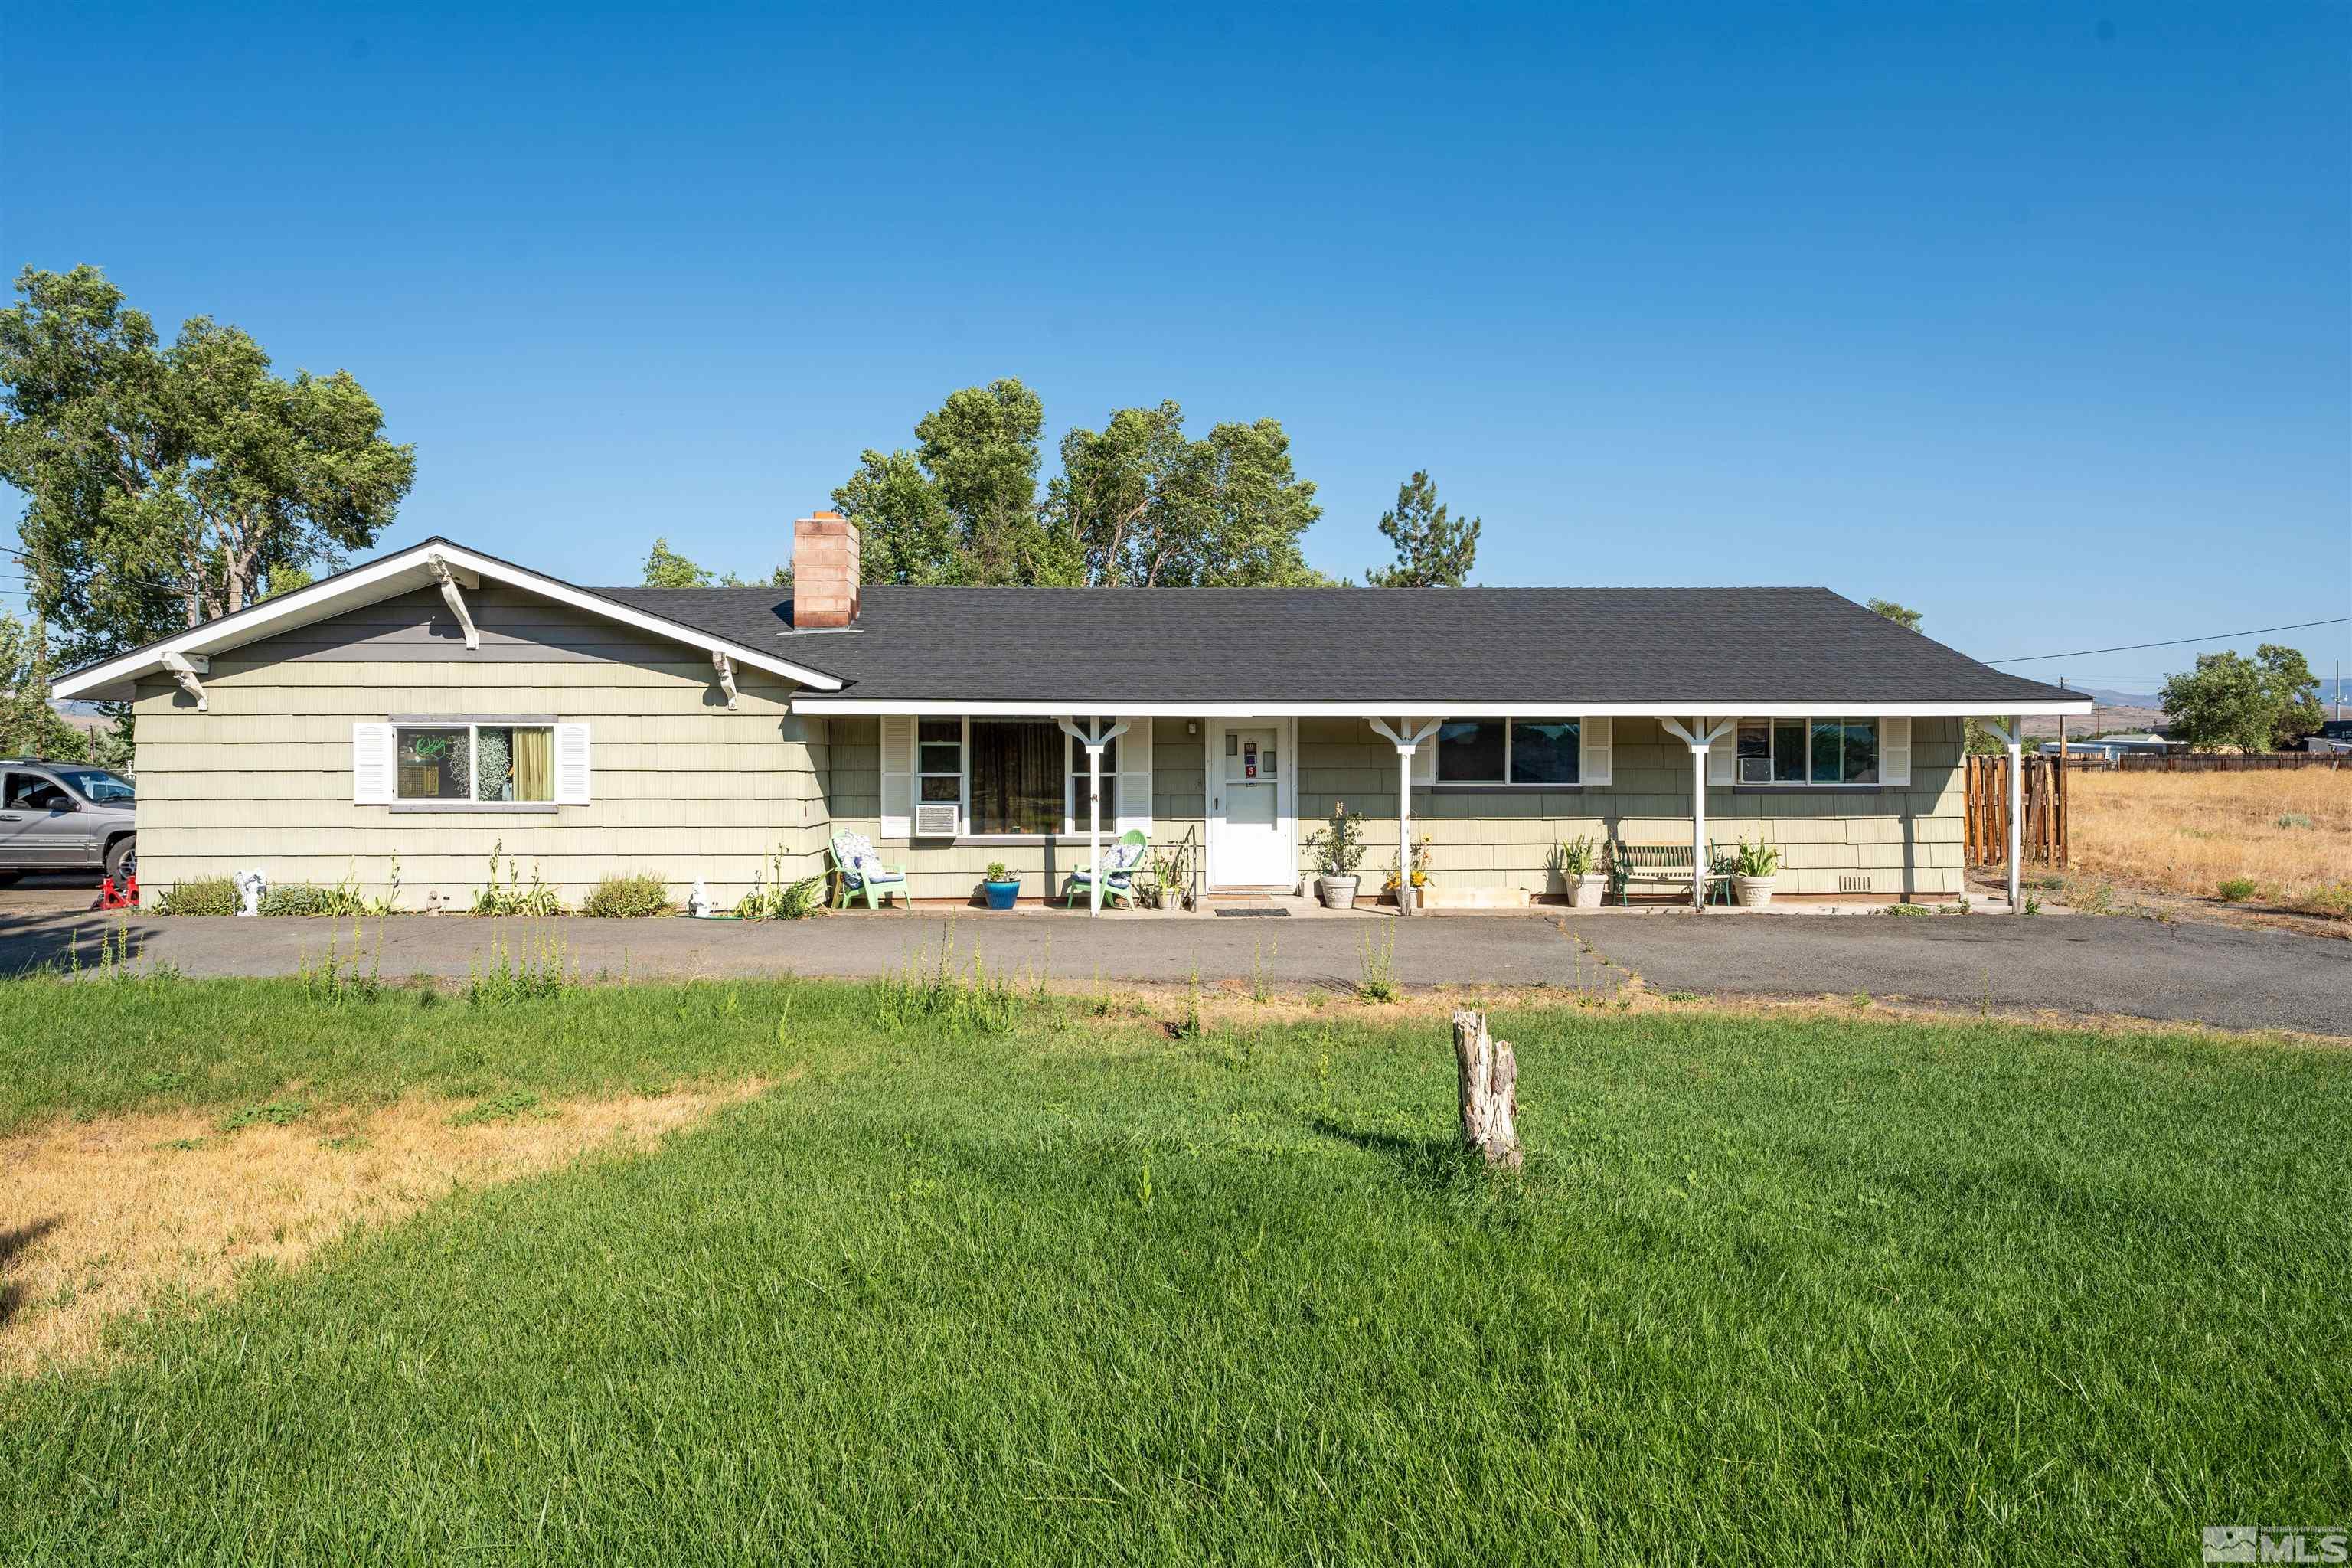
1752 870
1579 858
1420 876
1001 886
1168 879
1337 848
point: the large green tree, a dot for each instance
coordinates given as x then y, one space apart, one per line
166 485
962 506
1975 738
29 726
2271 700
1139 504
1902 615
1433 548
666 568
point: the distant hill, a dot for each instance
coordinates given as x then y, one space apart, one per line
2105 695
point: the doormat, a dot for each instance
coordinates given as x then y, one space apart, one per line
1242 914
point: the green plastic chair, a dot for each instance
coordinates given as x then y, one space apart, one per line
1126 857
857 869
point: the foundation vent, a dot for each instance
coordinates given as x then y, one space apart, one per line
1854 882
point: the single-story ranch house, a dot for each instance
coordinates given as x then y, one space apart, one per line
439 702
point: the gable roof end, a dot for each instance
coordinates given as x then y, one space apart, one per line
113 679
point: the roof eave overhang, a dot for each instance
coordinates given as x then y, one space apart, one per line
115 680
848 704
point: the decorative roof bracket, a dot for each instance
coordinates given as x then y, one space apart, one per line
1408 733
184 669
726 669
451 586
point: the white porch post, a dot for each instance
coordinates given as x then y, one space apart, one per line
2014 736
1701 738
1407 742
1094 738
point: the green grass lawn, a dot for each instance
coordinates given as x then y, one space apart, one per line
1015 1282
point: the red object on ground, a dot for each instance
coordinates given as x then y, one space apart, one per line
126 897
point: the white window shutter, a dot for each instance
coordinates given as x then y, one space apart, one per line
1134 776
1720 758
897 776
1895 751
571 764
1598 733
1424 760
372 766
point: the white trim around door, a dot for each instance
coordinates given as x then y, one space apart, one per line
1285 791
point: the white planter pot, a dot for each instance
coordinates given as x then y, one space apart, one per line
1585 892
1337 893
1753 892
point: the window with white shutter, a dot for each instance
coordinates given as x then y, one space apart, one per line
897 776
1600 748
1894 750
572 764
371 765
1720 755
1134 798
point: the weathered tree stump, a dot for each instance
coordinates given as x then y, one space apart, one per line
1490 1091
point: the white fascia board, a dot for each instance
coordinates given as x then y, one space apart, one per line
852 705
377 580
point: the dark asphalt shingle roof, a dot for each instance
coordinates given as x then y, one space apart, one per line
1113 646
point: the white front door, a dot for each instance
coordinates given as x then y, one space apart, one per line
1249 808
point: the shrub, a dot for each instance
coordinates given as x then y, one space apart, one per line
1339 848
772 897
537 900
2334 902
2293 819
298 899
783 901
1577 857
2237 890
627 898
1756 859
1420 867
204 896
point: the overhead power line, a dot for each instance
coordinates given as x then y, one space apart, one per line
2174 642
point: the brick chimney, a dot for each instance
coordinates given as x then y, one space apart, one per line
825 572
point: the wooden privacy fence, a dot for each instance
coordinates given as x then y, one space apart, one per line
2231 762
2044 837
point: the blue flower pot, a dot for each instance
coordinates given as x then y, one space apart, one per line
1001 894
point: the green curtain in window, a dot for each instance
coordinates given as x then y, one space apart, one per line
534 765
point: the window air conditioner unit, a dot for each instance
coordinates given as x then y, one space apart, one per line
1755 770
937 819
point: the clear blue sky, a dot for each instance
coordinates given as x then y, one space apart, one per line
2039 319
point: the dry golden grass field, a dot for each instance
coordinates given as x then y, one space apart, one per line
2288 833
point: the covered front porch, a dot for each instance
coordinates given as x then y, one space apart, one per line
1863 810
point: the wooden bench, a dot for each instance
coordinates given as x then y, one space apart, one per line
1668 863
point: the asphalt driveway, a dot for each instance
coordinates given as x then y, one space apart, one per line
2070 964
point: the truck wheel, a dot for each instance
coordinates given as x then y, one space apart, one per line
120 856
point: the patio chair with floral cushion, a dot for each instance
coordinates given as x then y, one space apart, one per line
1119 867
857 869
